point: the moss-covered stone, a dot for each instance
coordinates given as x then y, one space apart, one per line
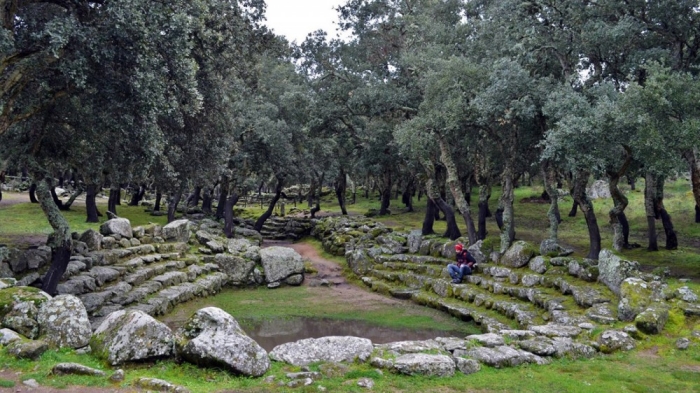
11 296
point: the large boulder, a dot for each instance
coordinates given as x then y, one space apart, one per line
280 263
612 270
92 239
425 364
117 226
127 336
178 231
11 296
63 321
614 340
518 255
213 338
653 319
324 349
475 251
237 269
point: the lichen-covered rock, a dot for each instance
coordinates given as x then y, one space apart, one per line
18 294
566 347
425 364
635 296
117 226
159 385
542 346
7 336
32 259
518 255
76 369
324 349
359 261
410 346
126 336
204 237
612 270
551 248
238 246
502 356
686 294
294 280
538 264
490 340
280 263
236 268
22 319
602 313
213 338
614 340
554 330
415 237
21 349
63 321
467 366
653 319
475 251
178 231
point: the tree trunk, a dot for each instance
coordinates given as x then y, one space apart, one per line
649 209
455 188
549 175
484 212
433 194
223 197
114 197
694 164
407 196
172 207
429 218
66 206
341 186
317 208
386 194
228 214
32 193
671 238
59 241
619 204
206 201
156 205
193 199
506 201
278 191
137 196
91 204
579 195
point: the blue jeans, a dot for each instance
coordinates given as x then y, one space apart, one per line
457 273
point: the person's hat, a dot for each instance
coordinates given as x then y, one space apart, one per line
458 247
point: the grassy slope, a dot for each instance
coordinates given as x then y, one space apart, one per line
656 367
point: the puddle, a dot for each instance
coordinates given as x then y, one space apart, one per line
271 333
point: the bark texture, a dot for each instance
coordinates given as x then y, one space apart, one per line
550 185
694 165
579 194
59 241
616 214
457 193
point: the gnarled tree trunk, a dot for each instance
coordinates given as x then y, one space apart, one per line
223 197
694 164
341 186
317 208
506 204
228 214
579 194
649 209
429 218
172 206
549 174
114 197
206 201
671 238
91 204
617 213
386 194
59 241
455 188
484 212
278 192
433 194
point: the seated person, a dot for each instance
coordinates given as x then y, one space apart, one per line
464 264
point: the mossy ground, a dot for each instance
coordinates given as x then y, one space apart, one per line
656 366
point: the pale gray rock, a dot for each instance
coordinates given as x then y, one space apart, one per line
76 369
475 251
540 345
602 313
415 237
682 343
517 334
614 340
159 385
213 338
280 263
613 270
236 268
551 248
7 282
32 383
686 294
410 346
64 323
215 246
538 264
566 347
653 319
518 255
381 363
324 349
117 376
124 243
359 261
490 340
7 336
467 366
451 343
502 356
126 336
365 383
554 330
425 364
22 319
236 246
635 296
204 237
139 232
294 280
499 272
178 231
21 349
117 226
